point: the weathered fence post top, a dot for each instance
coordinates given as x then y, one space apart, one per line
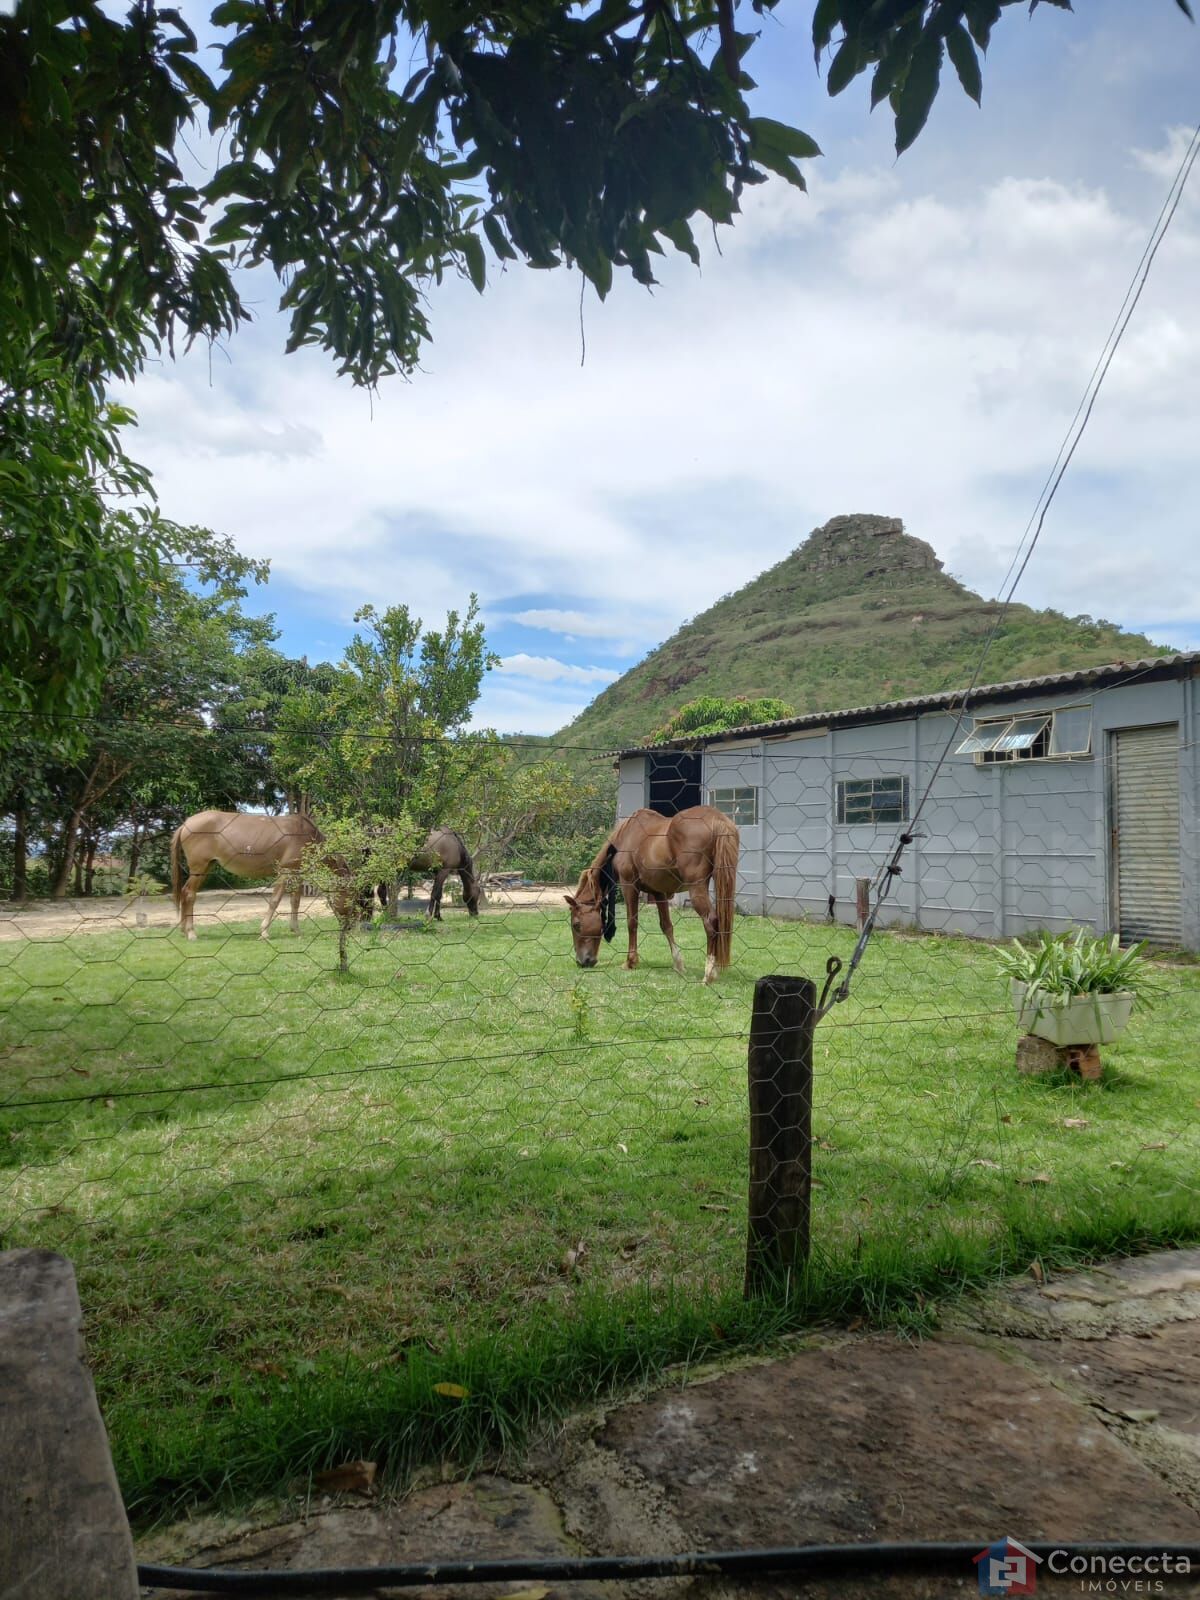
780 1069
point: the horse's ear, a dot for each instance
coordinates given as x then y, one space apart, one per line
571 901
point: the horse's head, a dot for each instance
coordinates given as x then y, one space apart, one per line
592 913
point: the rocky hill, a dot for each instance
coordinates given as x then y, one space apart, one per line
860 612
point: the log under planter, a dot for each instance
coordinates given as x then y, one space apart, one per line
1036 1055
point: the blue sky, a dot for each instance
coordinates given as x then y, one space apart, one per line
911 338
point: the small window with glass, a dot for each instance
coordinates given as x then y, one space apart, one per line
740 805
869 802
1044 736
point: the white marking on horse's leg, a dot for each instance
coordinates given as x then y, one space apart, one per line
710 969
677 959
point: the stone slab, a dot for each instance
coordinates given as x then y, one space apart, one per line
63 1530
1134 1295
879 1440
487 1517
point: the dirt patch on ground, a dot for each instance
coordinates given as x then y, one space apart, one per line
47 920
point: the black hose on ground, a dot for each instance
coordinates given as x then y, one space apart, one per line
804 1560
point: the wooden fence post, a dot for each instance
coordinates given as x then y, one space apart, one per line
780 1074
862 901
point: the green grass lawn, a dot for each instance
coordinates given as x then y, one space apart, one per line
298 1202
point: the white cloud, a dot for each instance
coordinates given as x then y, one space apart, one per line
871 348
611 633
546 669
575 623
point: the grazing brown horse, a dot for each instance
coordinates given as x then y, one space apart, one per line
658 856
444 852
249 846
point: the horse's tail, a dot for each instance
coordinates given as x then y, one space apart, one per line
470 880
725 860
608 894
176 872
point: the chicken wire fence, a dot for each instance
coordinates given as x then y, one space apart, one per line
271 1172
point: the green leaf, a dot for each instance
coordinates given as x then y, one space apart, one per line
681 237
232 12
475 259
844 68
825 18
894 62
229 180
498 239
767 134
915 98
598 269
966 63
783 165
982 16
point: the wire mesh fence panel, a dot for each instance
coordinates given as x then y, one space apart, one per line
367 1180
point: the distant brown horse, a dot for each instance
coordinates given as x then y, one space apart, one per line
444 852
247 845
658 856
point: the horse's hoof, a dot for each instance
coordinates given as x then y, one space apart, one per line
191 938
678 965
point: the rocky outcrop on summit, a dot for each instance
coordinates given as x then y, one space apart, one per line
872 545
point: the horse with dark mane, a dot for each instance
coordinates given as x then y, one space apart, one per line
444 851
659 856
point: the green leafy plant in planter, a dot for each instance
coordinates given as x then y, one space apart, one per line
1075 988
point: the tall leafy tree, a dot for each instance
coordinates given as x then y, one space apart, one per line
512 801
390 736
150 753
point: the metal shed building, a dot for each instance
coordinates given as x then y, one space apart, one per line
1057 801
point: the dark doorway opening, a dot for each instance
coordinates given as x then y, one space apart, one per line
674 782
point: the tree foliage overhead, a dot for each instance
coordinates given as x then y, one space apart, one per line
364 149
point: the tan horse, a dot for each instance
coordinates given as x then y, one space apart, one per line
658 856
246 845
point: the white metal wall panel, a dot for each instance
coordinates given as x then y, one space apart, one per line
1146 833
631 789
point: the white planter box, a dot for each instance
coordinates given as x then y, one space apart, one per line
1080 1019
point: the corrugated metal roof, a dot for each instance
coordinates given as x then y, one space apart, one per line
1167 666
